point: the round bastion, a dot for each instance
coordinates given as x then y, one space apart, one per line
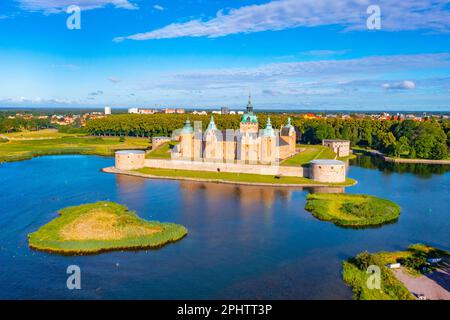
130 159
329 171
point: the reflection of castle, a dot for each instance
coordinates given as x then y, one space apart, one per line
247 145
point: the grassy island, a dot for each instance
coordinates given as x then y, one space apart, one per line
413 261
102 226
352 210
244 178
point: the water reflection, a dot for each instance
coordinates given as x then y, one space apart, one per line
420 169
247 195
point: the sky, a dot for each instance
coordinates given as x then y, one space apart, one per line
288 54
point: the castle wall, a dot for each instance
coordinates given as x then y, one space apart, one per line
226 167
129 159
159 141
322 172
340 147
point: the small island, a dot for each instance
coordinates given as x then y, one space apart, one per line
405 275
102 226
352 210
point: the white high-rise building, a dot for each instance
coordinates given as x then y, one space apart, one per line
107 110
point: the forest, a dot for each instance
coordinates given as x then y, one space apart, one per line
412 139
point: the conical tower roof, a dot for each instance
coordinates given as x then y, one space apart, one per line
211 125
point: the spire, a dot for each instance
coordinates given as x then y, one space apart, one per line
288 125
211 125
268 130
249 104
269 124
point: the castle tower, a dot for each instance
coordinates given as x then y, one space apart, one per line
213 143
268 145
187 141
249 121
288 140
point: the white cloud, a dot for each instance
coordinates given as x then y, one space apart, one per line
284 14
56 6
96 93
158 7
114 80
404 85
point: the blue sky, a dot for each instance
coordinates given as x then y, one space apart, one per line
290 54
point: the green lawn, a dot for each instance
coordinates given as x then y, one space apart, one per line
235 177
55 143
355 272
163 152
352 210
309 153
102 226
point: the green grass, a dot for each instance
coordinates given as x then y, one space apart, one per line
355 272
235 177
352 210
54 144
163 152
102 226
309 153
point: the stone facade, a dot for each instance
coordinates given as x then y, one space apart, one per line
247 145
340 147
226 167
130 159
330 171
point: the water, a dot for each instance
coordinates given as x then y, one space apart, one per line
243 242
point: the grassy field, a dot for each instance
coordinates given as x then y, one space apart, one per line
163 152
352 210
102 226
308 153
235 177
46 142
355 272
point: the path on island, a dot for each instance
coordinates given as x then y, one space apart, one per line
432 285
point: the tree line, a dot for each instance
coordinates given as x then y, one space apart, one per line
426 140
18 124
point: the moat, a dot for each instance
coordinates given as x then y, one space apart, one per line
243 242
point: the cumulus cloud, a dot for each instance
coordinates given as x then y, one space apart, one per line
403 85
114 80
285 14
38 100
56 6
96 93
158 7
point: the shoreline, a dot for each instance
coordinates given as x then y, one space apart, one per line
113 170
386 158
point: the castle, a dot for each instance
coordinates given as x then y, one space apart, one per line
246 145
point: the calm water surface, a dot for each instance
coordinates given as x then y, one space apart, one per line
243 242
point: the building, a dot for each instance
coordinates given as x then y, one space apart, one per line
246 145
133 110
322 170
129 159
224 110
159 141
340 147
107 111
